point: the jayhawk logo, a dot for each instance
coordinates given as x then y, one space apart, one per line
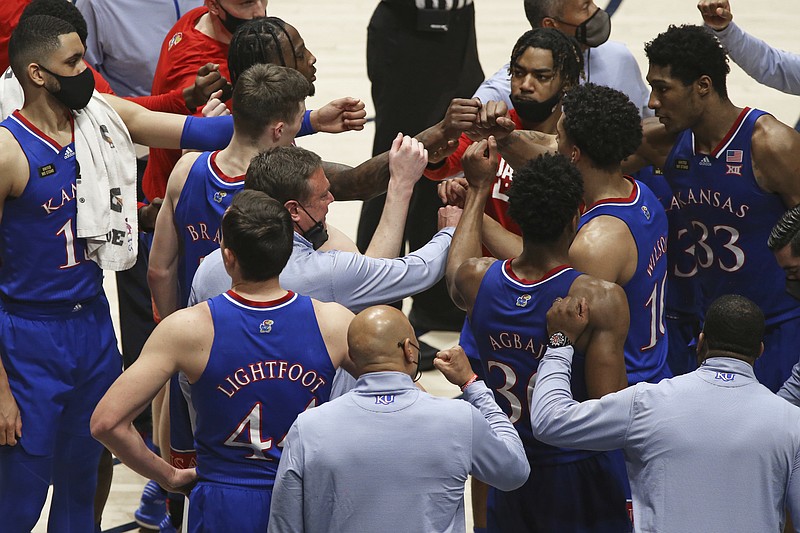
646 212
265 327
219 195
522 301
178 37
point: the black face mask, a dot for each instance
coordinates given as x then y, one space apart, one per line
535 112
317 235
595 30
231 22
793 288
76 91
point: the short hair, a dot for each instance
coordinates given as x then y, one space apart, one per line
786 231
602 122
282 172
33 40
544 197
734 324
258 230
60 9
537 10
257 41
567 56
265 94
690 52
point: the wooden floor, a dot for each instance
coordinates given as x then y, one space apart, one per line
335 31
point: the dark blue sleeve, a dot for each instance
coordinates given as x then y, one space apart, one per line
207 133
305 128
214 133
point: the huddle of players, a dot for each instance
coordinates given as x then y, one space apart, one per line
582 227
575 208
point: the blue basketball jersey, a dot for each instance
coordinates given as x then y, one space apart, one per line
509 327
268 363
646 344
682 292
206 195
732 218
41 258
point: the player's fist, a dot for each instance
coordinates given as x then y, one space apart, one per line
461 115
716 13
454 365
453 191
449 216
480 163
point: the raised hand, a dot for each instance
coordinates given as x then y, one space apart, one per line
340 115
215 107
480 163
407 160
716 13
453 191
494 120
454 365
207 82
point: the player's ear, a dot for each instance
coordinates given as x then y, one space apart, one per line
278 131
704 85
228 258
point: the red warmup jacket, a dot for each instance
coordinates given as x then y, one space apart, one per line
497 206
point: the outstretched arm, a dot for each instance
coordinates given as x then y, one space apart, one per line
480 166
407 159
556 418
767 65
150 128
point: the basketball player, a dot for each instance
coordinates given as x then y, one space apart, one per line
506 303
58 353
622 234
269 104
256 356
732 171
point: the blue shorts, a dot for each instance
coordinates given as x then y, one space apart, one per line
215 507
60 362
781 342
586 496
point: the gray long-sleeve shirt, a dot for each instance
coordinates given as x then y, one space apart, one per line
389 457
350 279
791 389
767 65
711 451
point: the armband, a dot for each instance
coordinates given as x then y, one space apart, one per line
469 382
306 128
207 133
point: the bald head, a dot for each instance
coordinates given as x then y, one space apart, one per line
373 339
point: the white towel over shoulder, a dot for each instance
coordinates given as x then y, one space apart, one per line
106 186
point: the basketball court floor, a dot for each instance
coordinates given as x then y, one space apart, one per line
335 31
